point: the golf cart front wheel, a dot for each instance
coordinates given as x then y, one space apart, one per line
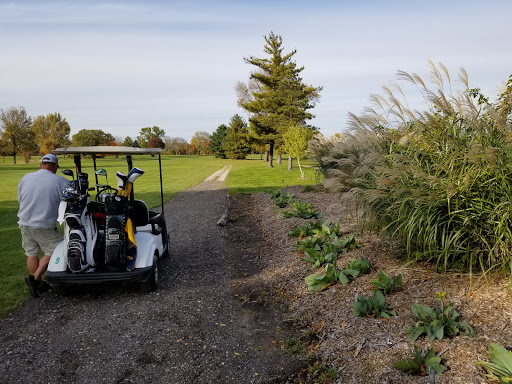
152 283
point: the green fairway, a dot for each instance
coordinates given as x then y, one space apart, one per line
179 173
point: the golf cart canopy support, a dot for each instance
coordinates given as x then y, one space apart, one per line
112 150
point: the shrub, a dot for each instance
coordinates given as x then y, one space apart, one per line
439 179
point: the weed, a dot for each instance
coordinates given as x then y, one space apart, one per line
437 323
294 346
323 374
376 306
385 284
303 210
421 364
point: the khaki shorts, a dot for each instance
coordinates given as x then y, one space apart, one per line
34 239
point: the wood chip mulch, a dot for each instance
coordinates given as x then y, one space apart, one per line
363 350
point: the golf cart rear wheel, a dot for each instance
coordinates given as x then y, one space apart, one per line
152 283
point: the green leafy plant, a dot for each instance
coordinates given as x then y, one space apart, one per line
421 364
331 276
437 323
320 282
385 284
312 242
501 367
319 250
346 244
375 306
304 210
354 269
322 374
319 228
318 258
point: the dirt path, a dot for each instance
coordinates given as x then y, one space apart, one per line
193 329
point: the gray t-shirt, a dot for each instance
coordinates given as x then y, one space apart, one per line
39 197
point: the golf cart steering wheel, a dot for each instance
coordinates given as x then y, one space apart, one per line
105 191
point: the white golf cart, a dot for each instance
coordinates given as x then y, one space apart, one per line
113 238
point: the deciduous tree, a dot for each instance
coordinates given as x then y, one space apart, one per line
147 133
16 132
296 140
90 137
176 145
156 142
51 131
199 142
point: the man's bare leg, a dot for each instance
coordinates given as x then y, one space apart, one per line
32 264
41 269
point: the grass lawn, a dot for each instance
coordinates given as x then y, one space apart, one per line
179 173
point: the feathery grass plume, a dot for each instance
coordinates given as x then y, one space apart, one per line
439 178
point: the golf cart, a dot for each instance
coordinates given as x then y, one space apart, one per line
112 238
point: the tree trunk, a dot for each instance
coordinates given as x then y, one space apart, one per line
290 163
279 159
14 158
301 172
266 155
271 155
261 155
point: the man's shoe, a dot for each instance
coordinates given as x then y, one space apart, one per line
32 285
43 286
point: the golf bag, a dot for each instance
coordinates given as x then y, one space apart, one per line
116 216
80 231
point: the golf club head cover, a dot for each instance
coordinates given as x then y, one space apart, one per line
134 174
121 180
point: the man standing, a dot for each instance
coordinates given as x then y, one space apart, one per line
39 197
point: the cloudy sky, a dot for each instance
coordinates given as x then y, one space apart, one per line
123 65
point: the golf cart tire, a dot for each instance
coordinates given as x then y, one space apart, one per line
167 250
152 283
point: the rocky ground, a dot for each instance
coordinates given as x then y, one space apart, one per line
362 350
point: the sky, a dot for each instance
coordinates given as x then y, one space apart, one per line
120 66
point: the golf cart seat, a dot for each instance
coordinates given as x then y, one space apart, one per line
146 220
139 213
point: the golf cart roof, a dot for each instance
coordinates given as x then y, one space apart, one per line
107 150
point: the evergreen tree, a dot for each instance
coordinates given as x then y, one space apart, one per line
281 98
216 140
236 143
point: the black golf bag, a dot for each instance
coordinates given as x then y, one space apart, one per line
116 216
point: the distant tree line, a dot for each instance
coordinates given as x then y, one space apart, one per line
20 134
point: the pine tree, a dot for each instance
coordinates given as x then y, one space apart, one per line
280 97
236 142
216 142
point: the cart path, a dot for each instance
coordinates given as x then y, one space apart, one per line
191 330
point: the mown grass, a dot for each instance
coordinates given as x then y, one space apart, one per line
178 173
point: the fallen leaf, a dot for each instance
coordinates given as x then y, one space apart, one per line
222 325
236 354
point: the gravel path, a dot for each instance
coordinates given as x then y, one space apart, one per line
191 330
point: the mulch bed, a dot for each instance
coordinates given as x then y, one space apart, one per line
363 349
